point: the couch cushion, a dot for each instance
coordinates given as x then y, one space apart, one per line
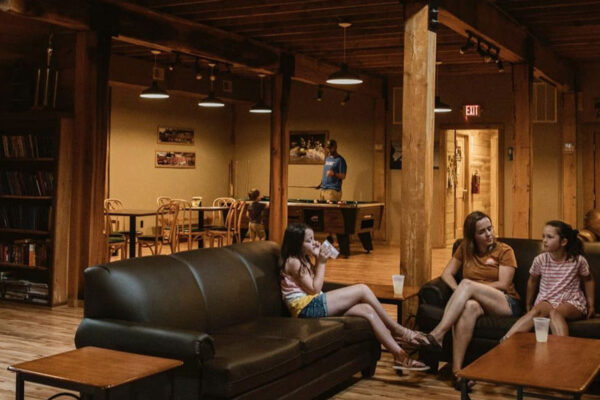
356 329
585 328
317 337
243 362
493 327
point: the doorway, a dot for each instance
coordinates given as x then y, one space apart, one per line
471 177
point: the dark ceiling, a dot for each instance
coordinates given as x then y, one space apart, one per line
375 39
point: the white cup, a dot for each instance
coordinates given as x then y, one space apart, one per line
541 329
398 281
333 252
196 201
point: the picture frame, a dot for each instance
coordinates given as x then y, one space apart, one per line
172 135
174 159
308 147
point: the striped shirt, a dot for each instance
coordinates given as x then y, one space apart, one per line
561 280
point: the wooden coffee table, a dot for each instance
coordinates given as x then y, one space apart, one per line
92 371
384 293
563 364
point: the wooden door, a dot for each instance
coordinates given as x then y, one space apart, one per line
461 190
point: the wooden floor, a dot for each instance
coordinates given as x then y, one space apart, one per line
28 332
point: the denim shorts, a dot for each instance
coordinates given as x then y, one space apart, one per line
514 304
317 308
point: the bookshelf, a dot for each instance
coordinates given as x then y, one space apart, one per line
35 202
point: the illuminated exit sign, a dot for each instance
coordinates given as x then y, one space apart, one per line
472 110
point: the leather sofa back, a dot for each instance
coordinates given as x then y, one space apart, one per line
202 290
592 255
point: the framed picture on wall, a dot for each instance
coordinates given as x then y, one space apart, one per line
308 147
170 135
175 159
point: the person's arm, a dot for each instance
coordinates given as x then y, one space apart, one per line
310 284
448 276
505 278
532 286
589 286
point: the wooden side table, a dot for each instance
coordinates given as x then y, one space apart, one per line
91 371
385 294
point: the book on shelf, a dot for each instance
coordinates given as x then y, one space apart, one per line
26 146
25 183
27 252
24 290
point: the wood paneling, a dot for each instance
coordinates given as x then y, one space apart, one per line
569 160
379 165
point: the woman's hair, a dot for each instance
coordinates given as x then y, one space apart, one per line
292 242
253 194
574 246
470 229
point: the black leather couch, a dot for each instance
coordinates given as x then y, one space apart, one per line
220 311
434 295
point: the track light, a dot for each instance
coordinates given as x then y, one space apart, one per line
485 49
154 91
197 71
346 99
500 66
468 45
211 100
344 76
175 63
319 93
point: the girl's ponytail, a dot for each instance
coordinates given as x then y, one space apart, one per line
574 245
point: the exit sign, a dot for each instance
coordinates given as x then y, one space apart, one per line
472 110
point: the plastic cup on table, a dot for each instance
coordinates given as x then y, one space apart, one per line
541 329
398 282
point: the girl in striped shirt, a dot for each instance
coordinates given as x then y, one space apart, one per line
558 272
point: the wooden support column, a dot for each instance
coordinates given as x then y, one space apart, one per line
522 165
569 159
417 145
379 167
92 53
280 143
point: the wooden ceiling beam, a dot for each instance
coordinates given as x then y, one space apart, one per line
494 26
72 14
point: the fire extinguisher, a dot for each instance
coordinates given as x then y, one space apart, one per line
475 183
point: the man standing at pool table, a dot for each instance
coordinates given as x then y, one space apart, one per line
334 172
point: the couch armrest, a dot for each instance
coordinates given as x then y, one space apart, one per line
435 292
135 337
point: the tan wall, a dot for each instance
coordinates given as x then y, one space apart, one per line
133 177
351 125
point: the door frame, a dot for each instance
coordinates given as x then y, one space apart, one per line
499 127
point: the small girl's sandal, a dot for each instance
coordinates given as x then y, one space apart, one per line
408 364
412 339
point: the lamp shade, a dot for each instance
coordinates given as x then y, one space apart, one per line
440 106
211 101
260 108
154 92
344 77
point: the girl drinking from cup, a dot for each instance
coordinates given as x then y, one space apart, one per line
558 272
302 276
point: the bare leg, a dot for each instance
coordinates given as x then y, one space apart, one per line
525 323
462 332
492 301
559 317
341 300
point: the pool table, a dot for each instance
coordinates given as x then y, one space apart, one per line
342 218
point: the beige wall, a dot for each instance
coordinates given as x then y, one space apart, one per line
351 125
135 180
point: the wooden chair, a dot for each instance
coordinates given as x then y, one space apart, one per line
165 230
110 205
162 200
242 206
216 218
224 236
114 241
187 228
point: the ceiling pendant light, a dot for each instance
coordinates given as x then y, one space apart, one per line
154 91
343 76
261 107
211 100
440 106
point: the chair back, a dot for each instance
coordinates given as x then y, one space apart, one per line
217 216
162 200
115 222
166 224
241 208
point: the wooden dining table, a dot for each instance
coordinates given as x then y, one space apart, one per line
132 213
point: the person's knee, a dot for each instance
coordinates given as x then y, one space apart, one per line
465 285
472 309
364 289
365 310
555 314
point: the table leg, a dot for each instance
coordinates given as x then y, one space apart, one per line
366 241
20 389
132 235
344 242
399 312
519 392
464 390
200 228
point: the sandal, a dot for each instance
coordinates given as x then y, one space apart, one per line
457 383
411 339
408 364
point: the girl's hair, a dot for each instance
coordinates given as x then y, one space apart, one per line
292 242
470 229
253 194
574 246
